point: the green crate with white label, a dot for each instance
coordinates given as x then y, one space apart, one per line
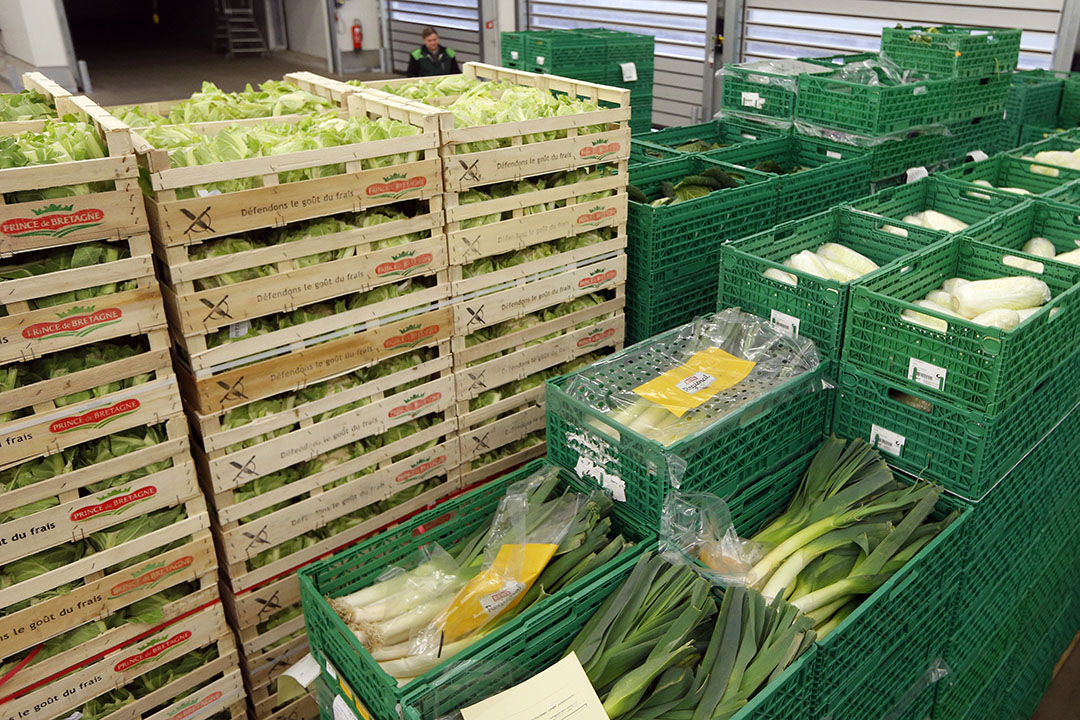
949 358
767 87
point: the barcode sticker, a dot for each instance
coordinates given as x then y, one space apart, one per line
539 59
887 440
752 99
928 374
239 330
629 71
788 323
833 154
513 54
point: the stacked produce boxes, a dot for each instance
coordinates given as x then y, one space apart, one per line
606 57
1032 108
313 350
107 550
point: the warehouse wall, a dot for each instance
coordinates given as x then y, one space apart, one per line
457 22
32 33
307 26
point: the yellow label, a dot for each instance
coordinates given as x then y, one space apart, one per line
687 386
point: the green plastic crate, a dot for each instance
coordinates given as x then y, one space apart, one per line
815 307
765 434
1034 97
361 564
757 88
971 366
955 51
1004 171
1009 230
979 97
956 199
1070 100
980 133
891 156
965 451
677 237
840 60
554 51
654 305
1034 133
873 109
825 181
624 46
643 151
512 49
726 132
1059 141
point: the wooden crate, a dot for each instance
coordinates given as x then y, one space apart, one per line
218 682
111 214
193 562
224 473
195 314
181 222
521 230
39 83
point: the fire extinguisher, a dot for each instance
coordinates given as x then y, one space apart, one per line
357 36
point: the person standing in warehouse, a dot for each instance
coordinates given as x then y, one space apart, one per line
431 58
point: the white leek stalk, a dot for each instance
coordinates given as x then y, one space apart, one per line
1041 247
848 258
999 318
1009 293
781 276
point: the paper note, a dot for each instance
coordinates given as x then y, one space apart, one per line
562 692
706 373
297 680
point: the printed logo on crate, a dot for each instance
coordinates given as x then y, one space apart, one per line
93 419
414 404
411 336
421 468
114 502
153 648
595 337
150 575
404 263
598 278
599 149
52 221
597 215
396 185
74 322
189 707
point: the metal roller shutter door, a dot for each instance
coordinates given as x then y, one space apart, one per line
777 29
457 22
680 30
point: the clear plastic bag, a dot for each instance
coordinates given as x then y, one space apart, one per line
878 71
781 72
696 530
687 380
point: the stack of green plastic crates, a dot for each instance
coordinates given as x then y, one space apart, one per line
1031 112
674 142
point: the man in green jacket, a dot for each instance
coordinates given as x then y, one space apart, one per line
432 58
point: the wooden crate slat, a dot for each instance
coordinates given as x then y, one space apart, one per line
226 694
106 215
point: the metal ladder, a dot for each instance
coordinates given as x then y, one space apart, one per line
235 29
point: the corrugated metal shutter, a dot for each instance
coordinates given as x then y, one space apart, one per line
680 30
457 22
773 29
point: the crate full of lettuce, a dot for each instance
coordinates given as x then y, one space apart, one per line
29 108
728 396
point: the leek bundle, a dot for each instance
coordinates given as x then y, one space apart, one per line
1002 302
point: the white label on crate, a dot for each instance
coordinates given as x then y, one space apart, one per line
341 710
629 71
562 692
928 374
977 155
695 383
616 487
497 601
587 468
240 329
919 90
539 59
887 440
513 55
748 136
833 154
752 99
787 323
331 670
916 173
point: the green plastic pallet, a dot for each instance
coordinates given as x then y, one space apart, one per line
979 97
891 156
965 451
680 236
823 182
360 565
873 109
956 199
764 435
949 50
1004 171
1009 230
980 133
816 306
755 88
1034 97
971 366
